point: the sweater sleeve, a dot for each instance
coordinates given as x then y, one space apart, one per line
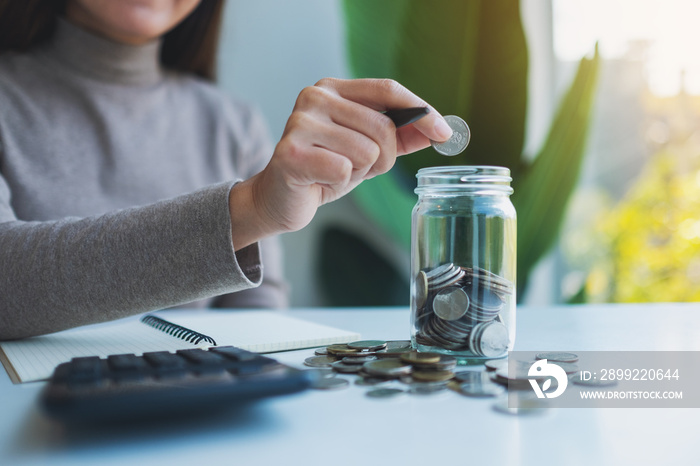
74 271
255 151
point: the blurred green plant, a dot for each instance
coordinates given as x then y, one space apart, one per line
467 58
651 238
645 245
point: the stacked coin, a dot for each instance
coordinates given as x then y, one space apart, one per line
458 309
379 361
393 368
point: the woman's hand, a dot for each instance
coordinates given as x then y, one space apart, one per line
334 139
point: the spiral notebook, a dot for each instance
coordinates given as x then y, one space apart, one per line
35 358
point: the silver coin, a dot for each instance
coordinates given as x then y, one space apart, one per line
345 368
385 392
341 350
321 372
495 364
455 273
321 351
556 356
451 303
387 368
447 363
439 270
369 381
368 345
359 354
450 330
329 383
487 276
485 300
489 280
469 376
421 289
445 281
397 344
493 340
459 140
358 359
319 361
426 388
393 353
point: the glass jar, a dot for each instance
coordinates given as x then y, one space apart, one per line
463 258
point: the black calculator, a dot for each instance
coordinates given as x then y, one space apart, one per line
127 387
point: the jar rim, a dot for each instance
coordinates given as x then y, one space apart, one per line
464 178
465 170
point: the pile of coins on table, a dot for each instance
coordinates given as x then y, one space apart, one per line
392 368
376 362
458 308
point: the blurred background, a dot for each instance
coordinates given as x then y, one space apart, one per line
592 105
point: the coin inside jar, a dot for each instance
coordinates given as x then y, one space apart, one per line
421 289
489 339
439 270
451 303
459 140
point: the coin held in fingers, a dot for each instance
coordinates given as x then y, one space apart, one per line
459 140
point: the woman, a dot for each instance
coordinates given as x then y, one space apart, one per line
121 163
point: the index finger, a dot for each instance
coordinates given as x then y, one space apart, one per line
385 94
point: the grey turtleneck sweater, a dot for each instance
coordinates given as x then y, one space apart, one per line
114 183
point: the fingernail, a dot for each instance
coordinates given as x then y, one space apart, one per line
443 130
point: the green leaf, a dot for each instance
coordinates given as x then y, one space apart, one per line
499 102
465 57
543 191
468 58
389 204
374 33
352 273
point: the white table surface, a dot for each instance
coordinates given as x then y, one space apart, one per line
345 427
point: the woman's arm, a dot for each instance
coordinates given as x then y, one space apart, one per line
60 274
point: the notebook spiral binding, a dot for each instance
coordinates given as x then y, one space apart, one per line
177 331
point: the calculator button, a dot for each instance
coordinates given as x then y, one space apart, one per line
201 357
204 362
87 370
127 367
235 354
126 362
166 365
163 360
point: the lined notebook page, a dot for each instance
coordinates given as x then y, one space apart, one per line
35 358
259 331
